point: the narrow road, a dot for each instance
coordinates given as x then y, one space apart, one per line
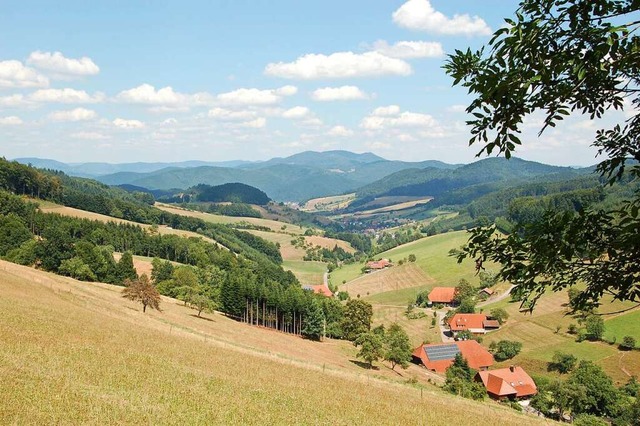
496 299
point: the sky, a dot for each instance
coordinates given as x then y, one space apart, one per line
125 81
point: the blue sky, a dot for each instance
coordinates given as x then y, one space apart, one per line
223 80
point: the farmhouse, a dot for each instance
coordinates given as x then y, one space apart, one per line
475 323
512 383
319 289
443 295
486 292
378 264
438 357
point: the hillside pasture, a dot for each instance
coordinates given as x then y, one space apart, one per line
391 204
399 277
309 273
78 353
274 225
328 204
619 326
328 243
287 250
537 332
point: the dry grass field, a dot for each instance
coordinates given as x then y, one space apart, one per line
400 277
274 225
329 243
78 353
327 204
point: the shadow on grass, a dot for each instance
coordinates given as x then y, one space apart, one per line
364 365
202 318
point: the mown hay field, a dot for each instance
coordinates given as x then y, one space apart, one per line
78 353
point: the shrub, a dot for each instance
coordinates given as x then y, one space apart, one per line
563 363
505 349
628 343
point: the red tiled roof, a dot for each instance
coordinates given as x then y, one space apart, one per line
477 356
442 294
461 322
378 264
512 381
487 290
491 324
323 290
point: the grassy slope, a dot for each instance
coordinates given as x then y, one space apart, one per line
214 218
624 325
537 332
438 268
78 353
311 273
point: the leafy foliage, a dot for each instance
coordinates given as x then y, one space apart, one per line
505 349
460 380
356 319
398 347
141 290
371 347
562 363
558 57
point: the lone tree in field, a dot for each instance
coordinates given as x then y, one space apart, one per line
398 347
371 347
557 58
141 290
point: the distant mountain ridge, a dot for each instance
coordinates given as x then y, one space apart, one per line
296 178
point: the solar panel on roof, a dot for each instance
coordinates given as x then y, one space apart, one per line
441 352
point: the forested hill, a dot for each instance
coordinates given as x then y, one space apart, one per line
228 192
466 183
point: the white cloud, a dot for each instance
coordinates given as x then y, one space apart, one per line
13 74
406 138
13 101
224 114
343 93
10 121
339 65
62 67
313 122
387 111
170 122
296 112
420 15
379 145
78 114
67 96
258 123
287 90
340 131
95 136
128 124
146 94
401 120
409 49
256 96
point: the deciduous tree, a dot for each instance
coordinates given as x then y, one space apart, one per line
141 290
557 58
398 347
371 347
356 319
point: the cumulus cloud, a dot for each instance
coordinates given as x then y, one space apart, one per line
10 121
61 67
256 96
339 65
344 93
147 94
340 131
386 111
94 136
420 15
409 49
128 124
13 101
66 96
78 114
258 123
385 118
457 108
224 114
13 74
296 112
